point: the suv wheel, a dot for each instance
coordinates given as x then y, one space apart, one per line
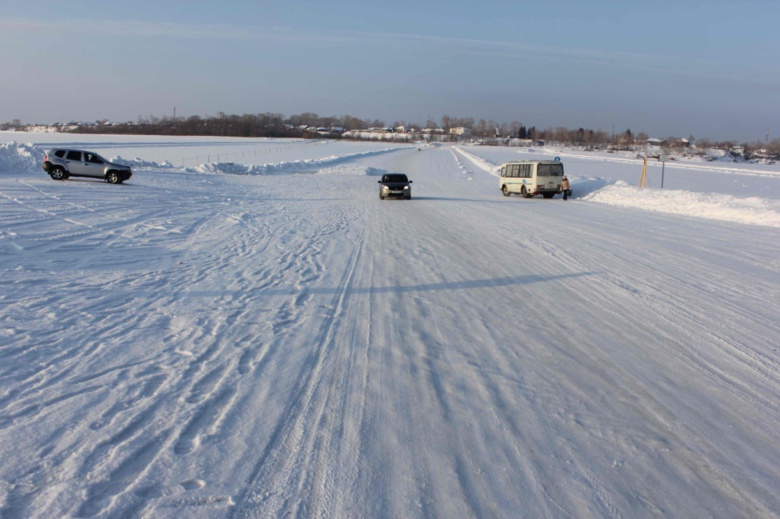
57 173
113 177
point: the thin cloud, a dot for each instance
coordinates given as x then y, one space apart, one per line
510 50
170 30
676 65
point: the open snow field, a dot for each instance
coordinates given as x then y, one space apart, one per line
261 336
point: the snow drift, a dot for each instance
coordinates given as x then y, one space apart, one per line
298 166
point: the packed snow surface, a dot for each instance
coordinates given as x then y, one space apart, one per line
243 329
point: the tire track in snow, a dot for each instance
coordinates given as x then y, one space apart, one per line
429 357
302 262
58 370
678 313
282 464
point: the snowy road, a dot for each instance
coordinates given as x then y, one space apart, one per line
267 346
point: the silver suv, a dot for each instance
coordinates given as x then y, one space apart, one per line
63 163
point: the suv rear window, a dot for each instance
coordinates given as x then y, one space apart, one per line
60 153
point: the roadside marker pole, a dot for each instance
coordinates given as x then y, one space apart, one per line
663 170
663 159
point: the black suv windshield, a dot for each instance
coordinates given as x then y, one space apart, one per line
396 178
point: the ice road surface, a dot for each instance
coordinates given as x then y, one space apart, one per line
243 329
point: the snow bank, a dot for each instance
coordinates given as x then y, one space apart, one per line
20 157
685 163
481 163
583 186
348 169
322 165
754 210
140 163
370 136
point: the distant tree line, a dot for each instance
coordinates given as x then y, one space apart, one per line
223 125
278 125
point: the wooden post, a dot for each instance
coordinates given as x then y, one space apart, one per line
643 178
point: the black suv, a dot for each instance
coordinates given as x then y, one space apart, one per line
395 184
63 163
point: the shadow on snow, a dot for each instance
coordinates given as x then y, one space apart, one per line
401 289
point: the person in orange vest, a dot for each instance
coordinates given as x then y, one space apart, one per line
566 188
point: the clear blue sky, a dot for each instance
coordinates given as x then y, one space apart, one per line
707 69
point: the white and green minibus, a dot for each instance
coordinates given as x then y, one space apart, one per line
531 177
